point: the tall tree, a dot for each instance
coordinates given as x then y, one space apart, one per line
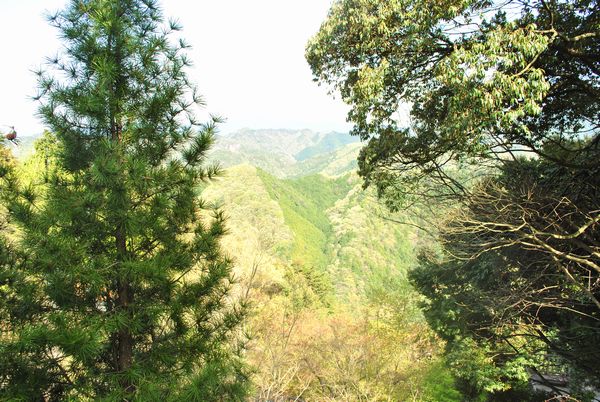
435 87
122 290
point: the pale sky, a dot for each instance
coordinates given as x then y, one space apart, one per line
248 61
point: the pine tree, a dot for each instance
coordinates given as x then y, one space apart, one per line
118 287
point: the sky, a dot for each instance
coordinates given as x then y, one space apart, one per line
248 61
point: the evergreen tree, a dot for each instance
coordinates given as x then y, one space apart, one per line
118 287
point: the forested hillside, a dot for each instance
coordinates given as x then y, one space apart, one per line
327 277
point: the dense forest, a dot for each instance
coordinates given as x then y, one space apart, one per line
447 249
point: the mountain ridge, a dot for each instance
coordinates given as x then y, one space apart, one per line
282 152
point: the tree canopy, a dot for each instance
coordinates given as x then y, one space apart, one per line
481 79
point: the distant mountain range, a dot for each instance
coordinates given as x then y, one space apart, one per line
288 153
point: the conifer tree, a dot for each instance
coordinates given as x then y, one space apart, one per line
118 287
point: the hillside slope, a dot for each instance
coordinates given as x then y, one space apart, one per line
326 276
327 224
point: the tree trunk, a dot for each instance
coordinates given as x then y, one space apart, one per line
124 338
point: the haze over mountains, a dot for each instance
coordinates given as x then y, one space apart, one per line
288 153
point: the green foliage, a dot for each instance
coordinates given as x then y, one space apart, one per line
511 284
7 160
304 202
371 255
119 289
438 384
480 79
38 167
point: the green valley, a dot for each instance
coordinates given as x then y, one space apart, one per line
335 317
